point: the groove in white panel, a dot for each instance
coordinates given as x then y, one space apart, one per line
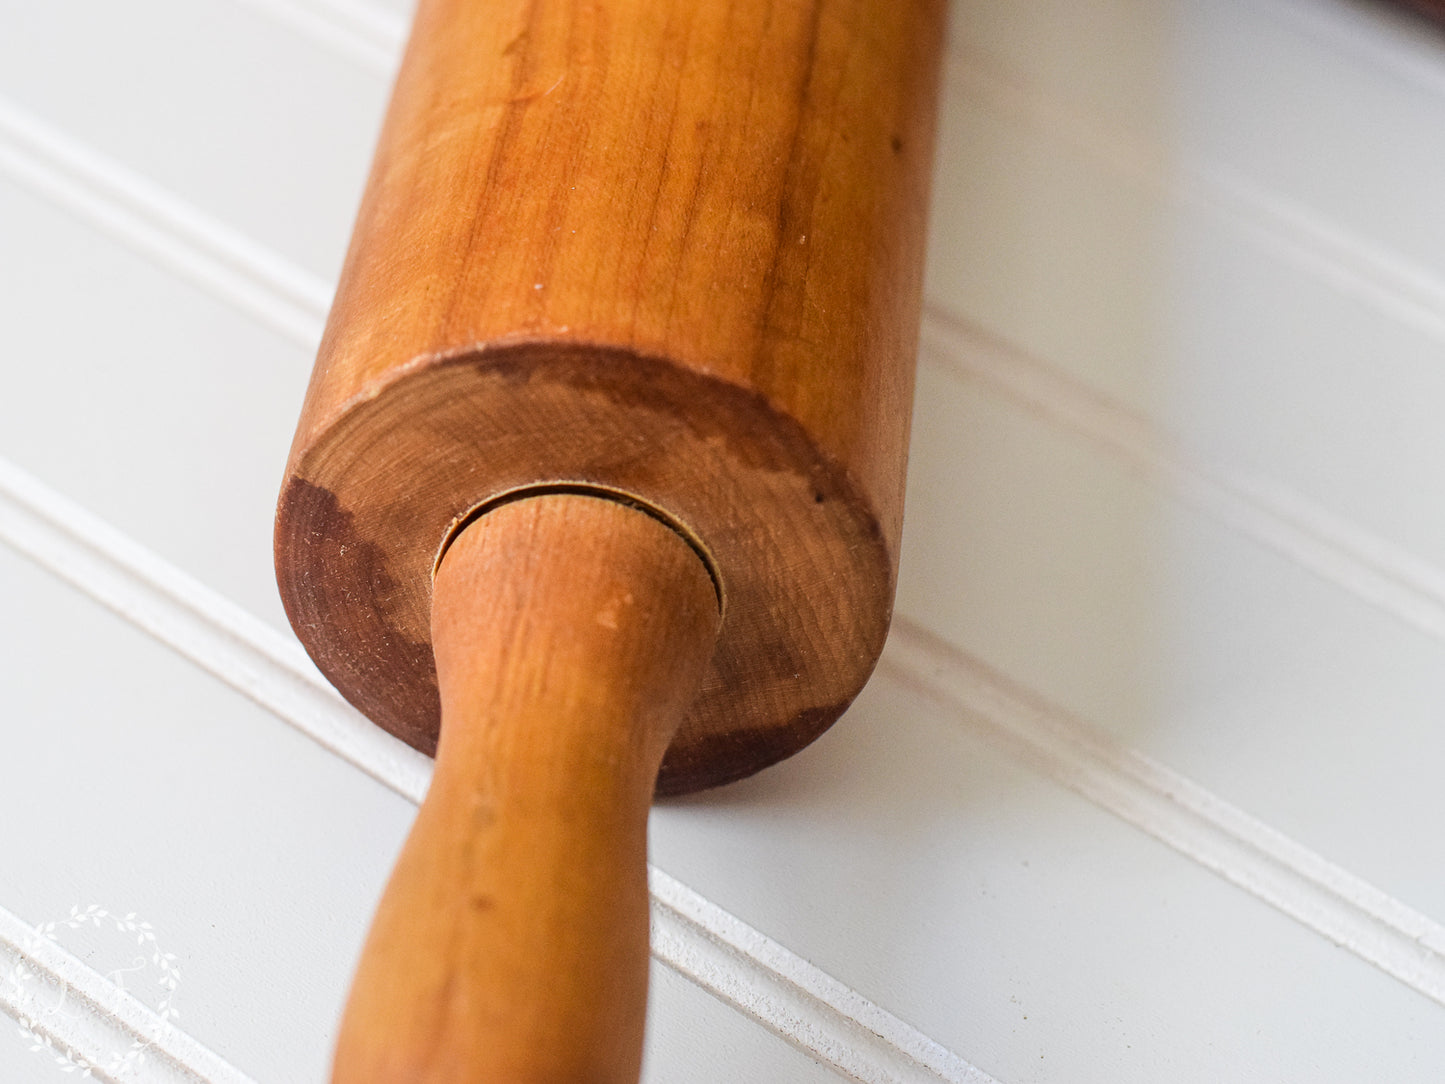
205 627
791 997
1344 909
98 1019
701 941
1338 552
153 221
1368 273
360 32
1390 37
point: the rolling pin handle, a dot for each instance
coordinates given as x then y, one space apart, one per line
571 633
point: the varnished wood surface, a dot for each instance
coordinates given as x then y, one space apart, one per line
511 945
667 248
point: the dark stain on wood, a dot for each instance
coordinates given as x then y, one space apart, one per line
311 521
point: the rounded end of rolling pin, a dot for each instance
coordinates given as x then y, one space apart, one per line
800 559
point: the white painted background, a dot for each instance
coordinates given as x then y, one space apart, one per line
1148 785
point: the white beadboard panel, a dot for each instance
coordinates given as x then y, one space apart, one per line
1329 103
1031 550
1341 907
218 100
1109 57
22 1066
136 783
163 410
399 10
1026 928
1162 258
1334 104
692 1038
1058 250
1279 691
363 32
18 1064
1275 378
78 1019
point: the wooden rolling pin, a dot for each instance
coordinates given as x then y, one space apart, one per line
600 472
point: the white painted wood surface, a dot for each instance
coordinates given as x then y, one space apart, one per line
1147 785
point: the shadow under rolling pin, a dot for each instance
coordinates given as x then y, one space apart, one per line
600 472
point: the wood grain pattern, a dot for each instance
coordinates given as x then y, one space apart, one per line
511 945
663 248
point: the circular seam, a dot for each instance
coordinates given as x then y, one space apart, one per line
584 489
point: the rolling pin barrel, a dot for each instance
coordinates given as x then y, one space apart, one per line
600 473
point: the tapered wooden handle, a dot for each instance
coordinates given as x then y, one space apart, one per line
570 634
